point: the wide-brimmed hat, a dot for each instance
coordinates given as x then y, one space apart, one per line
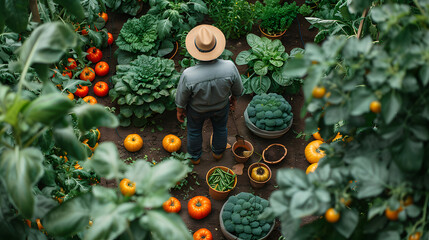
205 42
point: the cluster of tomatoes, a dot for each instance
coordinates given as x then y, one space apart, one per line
88 73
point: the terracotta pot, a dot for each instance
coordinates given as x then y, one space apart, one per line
275 36
276 160
253 182
247 145
219 195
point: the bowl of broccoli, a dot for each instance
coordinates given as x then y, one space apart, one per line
239 218
268 115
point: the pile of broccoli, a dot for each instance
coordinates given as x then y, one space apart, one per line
240 216
270 112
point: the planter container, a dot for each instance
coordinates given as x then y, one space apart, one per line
275 36
229 236
253 182
247 145
264 133
276 160
218 195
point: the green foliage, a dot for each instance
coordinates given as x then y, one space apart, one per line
274 17
234 18
266 60
144 88
130 7
178 16
381 161
245 223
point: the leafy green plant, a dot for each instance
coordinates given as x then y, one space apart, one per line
234 18
274 17
130 7
338 20
265 60
374 176
144 88
140 36
177 16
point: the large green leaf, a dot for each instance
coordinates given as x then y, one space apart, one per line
348 222
260 84
20 170
172 225
90 116
243 58
303 203
74 7
16 14
390 106
157 107
361 98
66 139
46 45
371 175
47 108
410 155
296 67
70 217
106 162
253 40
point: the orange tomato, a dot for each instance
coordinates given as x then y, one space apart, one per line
317 136
94 54
375 107
101 89
70 96
392 214
127 187
87 74
332 216
408 201
318 92
28 223
81 91
71 64
199 207
312 152
68 73
172 205
414 236
90 99
171 143
39 224
133 142
104 16
202 234
311 168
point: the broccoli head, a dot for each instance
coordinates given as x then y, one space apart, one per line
247 229
237 208
257 231
247 205
236 218
229 226
229 206
266 227
251 111
245 196
239 228
226 215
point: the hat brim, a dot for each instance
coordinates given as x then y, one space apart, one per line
205 56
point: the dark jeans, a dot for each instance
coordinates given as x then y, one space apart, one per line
219 119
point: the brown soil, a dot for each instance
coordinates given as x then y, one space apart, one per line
274 153
152 148
239 151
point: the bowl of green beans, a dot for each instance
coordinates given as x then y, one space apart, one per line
221 181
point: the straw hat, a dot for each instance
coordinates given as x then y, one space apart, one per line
205 42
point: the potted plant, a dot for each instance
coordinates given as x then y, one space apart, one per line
268 115
259 174
275 18
274 153
266 62
221 180
242 150
239 218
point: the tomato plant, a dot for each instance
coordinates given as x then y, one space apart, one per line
71 64
81 91
101 89
110 38
87 74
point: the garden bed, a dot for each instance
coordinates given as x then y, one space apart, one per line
153 151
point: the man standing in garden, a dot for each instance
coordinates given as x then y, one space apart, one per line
207 90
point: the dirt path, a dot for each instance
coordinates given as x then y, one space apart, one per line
153 150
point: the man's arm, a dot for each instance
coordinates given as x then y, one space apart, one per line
236 89
182 98
181 114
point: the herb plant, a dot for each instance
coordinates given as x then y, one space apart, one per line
143 88
177 16
265 60
234 18
274 17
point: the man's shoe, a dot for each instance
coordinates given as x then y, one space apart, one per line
195 162
217 157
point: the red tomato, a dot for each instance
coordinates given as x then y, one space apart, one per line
110 39
67 73
102 68
81 91
101 89
71 64
94 54
87 74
